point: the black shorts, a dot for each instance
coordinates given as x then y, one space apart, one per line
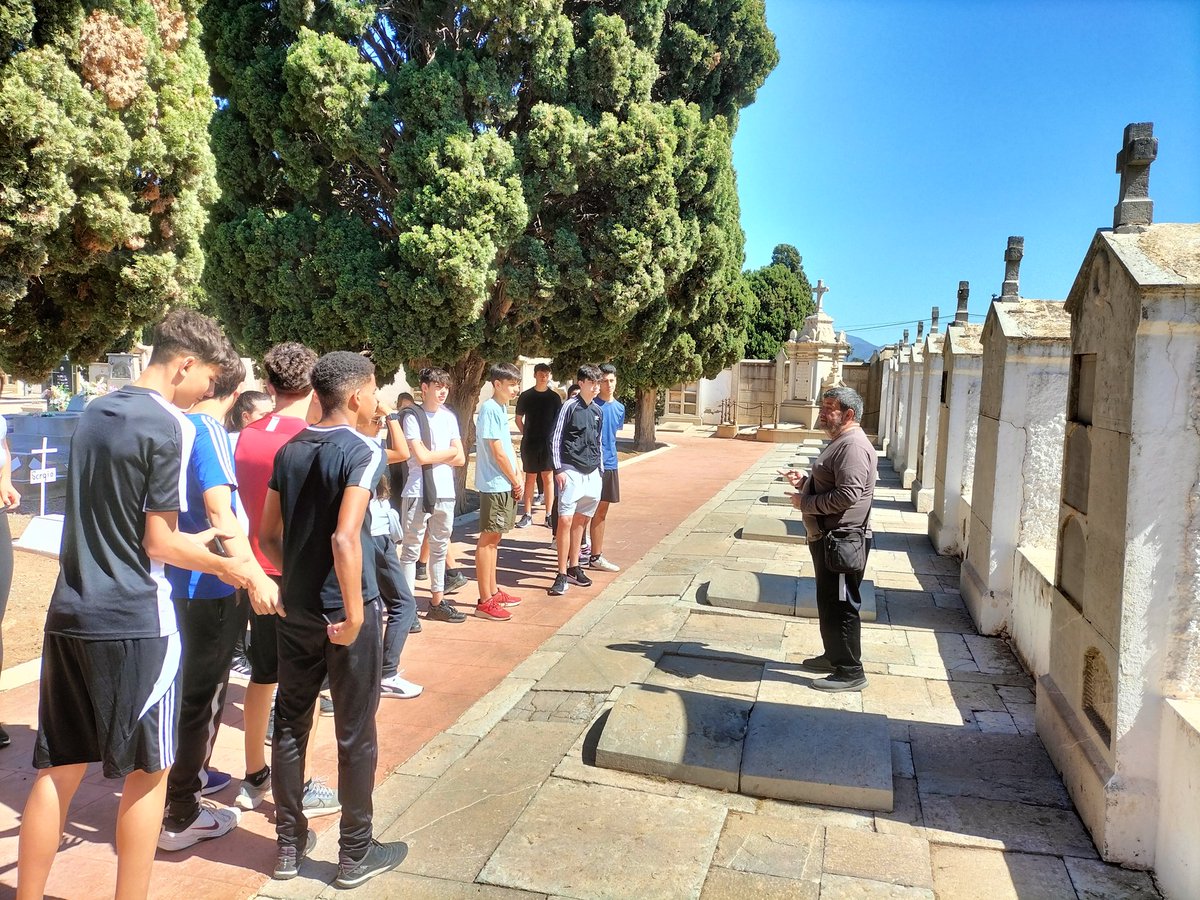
535 456
610 486
113 702
262 650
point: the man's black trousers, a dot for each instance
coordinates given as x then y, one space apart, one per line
838 605
306 657
208 631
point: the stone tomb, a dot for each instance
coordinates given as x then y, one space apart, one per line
724 739
906 462
949 519
777 590
929 421
1018 454
1123 636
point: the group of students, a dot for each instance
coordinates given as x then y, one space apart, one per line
272 510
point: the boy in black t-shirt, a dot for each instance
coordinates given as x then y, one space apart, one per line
314 529
110 662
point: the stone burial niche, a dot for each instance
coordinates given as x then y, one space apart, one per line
1125 632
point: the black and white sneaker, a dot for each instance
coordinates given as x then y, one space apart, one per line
524 521
560 585
378 859
576 575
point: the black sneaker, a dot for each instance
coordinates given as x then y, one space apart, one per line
817 664
5 740
378 859
422 572
576 575
444 612
288 858
455 580
837 683
524 521
560 585
415 626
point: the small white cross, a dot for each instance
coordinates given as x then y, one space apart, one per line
44 452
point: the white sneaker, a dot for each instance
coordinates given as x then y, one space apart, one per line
400 688
599 562
211 823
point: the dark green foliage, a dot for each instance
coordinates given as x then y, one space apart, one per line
789 257
105 172
784 300
462 182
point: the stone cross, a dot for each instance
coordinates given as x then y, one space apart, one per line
819 292
1138 151
1012 269
933 320
964 292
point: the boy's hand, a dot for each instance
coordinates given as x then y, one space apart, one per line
206 537
9 497
560 481
344 632
518 486
264 597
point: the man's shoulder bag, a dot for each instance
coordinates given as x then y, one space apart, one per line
846 549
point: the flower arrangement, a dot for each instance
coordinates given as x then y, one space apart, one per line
97 388
57 398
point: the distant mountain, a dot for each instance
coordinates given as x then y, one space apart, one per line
860 349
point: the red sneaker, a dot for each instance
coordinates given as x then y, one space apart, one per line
491 609
505 599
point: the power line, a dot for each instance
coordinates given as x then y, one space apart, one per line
858 328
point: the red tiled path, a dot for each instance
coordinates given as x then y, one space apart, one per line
457 664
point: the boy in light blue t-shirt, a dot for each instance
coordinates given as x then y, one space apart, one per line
499 481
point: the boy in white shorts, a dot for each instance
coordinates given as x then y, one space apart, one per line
435 448
578 464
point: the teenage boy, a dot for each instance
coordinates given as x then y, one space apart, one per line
110 661
499 483
537 410
575 454
435 448
612 418
211 619
288 367
314 529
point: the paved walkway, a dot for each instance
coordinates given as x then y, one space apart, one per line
457 664
502 799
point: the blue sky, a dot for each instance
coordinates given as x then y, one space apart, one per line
899 143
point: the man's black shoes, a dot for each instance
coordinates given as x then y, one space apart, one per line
817 664
837 683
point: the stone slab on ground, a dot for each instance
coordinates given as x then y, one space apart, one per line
826 756
766 845
594 665
453 827
767 592
775 590
774 529
890 858
682 735
595 841
709 676
956 762
965 873
1003 825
